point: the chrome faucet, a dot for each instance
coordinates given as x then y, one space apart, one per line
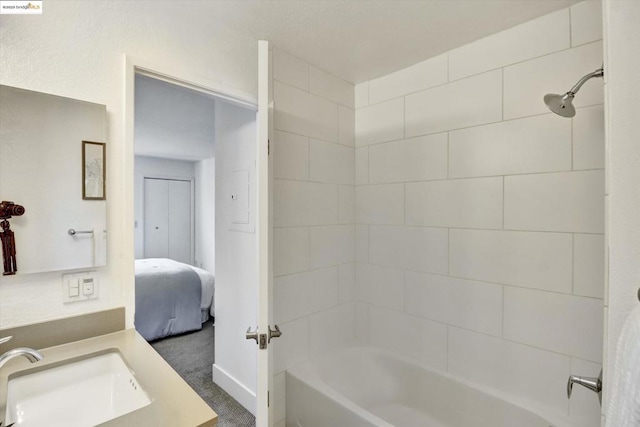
31 354
593 384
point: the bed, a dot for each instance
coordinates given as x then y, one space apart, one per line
171 297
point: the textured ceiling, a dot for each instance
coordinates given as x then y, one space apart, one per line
359 40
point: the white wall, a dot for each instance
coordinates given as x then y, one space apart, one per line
156 168
75 49
236 300
622 92
480 215
313 236
205 172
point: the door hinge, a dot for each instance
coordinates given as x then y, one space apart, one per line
268 399
268 147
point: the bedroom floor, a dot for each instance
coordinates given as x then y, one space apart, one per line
191 355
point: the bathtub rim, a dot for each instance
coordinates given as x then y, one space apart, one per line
308 372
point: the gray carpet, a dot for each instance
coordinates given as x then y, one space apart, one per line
191 355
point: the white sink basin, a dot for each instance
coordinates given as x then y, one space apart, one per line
83 393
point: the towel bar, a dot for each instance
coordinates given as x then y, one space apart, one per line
73 232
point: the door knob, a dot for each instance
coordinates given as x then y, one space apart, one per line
274 333
252 335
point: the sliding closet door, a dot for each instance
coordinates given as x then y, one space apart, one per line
156 218
180 221
168 219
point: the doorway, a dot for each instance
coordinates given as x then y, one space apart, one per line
182 227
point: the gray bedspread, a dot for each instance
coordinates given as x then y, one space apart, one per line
168 295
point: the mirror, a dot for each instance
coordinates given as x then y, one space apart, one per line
52 155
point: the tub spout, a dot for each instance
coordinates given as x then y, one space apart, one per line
593 384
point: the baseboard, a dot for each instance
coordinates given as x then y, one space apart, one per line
237 390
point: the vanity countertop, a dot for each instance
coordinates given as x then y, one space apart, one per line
173 404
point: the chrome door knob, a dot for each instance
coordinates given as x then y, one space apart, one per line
274 333
252 335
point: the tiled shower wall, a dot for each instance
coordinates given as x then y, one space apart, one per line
480 215
314 214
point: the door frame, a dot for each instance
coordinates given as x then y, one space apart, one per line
191 182
174 73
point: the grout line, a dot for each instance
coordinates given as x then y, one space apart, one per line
308 92
503 203
572 167
438 227
503 317
502 69
546 113
573 263
448 156
469 279
570 28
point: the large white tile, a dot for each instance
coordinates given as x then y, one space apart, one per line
566 324
414 159
299 203
290 250
362 165
293 345
279 395
331 245
346 283
412 248
346 126
301 294
331 87
362 95
380 122
468 203
537 37
362 243
291 156
586 22
332 328
465 303
583 405
290 70
300 112
380 204
588 265
529 145
332 163
588 138
408 335
565 201
422 75
536 260
469 102
520 370
526 83
362 322
382 286
346 204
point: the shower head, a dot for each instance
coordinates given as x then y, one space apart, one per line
562 105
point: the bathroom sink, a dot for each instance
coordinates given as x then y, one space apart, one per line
83 393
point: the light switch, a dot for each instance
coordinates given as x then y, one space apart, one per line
79 286
74 291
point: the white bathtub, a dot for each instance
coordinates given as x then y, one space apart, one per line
364 386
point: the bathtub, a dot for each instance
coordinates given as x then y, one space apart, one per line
365 386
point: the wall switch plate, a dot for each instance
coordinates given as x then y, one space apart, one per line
79 286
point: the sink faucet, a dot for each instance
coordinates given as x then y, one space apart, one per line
31 354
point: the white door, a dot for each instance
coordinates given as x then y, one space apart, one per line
264 413
168 219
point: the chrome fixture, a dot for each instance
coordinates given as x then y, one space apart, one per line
72 232
593 384
31 354
562 105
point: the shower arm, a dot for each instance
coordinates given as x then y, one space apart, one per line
597 73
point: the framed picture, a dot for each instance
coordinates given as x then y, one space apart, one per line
93 170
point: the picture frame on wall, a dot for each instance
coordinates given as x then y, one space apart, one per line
94 170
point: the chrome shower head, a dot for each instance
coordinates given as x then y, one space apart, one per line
562 105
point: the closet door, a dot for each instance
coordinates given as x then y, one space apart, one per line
156 218
180 226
